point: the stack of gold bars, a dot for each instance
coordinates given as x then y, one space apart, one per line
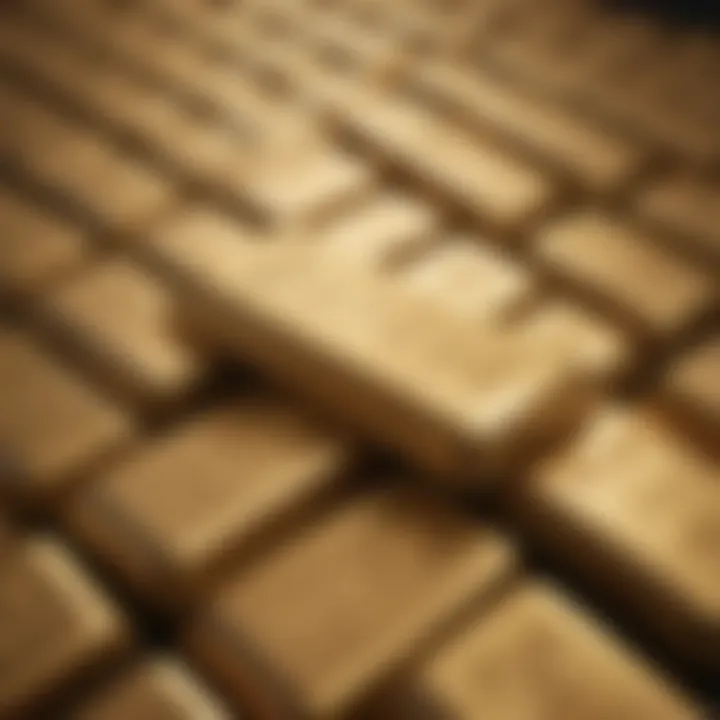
358 359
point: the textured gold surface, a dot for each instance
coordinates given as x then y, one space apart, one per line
364 354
